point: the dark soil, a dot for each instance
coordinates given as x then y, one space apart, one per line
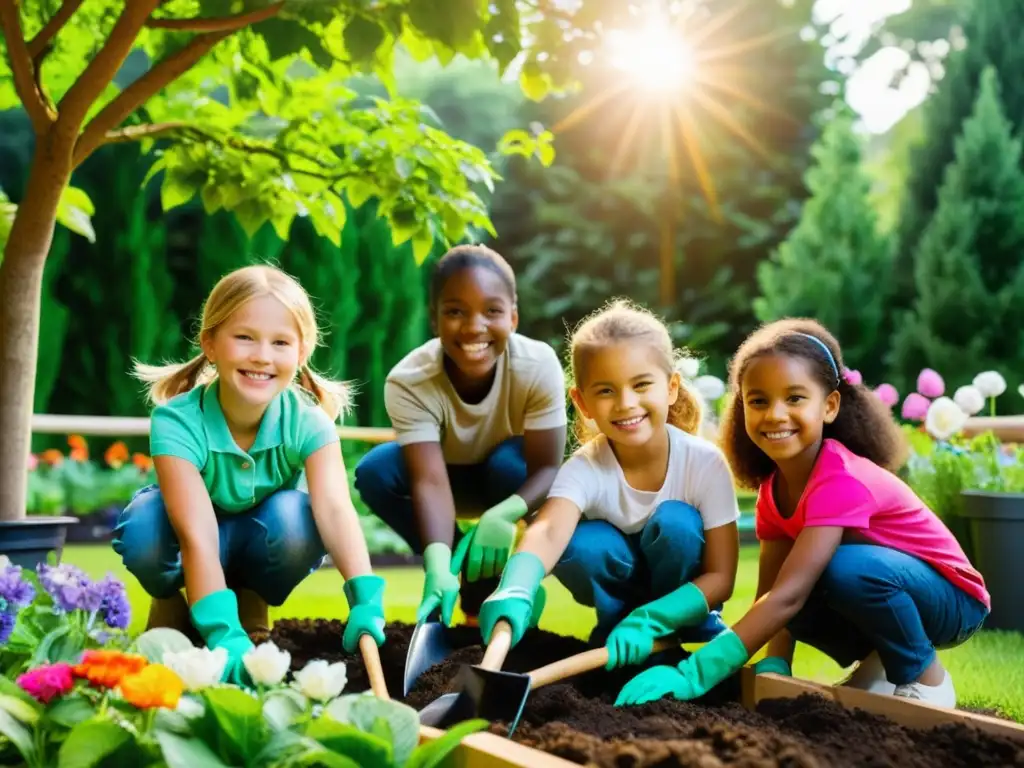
577 720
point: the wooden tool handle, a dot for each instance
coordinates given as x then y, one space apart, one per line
580 663
498 648
371 658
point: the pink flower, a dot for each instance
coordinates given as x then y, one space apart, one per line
915 407
888 394
33 462
47 681
930 384
853 378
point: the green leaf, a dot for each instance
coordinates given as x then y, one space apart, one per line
358 192
75 210
283 707
239 718
180 752
154 643
285 37
61 644
90 742
534 82
363 712
19 708
327 759
70 711
366 749
362 38
422 244
175 191
10 688
432 753
19 736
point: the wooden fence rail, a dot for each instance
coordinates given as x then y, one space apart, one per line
138 426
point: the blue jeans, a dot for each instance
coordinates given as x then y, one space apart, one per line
614 572
382 480
872 598
269 549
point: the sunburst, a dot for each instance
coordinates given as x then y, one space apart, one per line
669 71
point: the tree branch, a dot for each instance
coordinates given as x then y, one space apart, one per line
101 70
217 24
38 44
31 96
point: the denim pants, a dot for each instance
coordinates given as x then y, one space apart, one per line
269 549
382 480
614 572
873 598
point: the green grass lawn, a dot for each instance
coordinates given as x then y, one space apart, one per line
988 670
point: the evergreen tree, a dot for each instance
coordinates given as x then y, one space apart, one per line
835 263
992 30
968 268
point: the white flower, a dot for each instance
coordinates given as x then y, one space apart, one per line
944 418
198 668
5 561
267 664
321 681
688 367
1020 389
969 399
710 387
991 383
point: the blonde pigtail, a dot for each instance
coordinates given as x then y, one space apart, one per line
335 397
167 381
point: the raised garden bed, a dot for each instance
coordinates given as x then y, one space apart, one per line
577 721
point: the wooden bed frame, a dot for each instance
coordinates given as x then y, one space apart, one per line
486 750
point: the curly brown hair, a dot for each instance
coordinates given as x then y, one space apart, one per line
623 321
864 425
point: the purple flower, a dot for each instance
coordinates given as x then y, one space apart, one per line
930 384
116 610
7 621
69 587
915 407
15 590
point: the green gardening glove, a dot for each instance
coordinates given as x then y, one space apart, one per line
633 638
692 677
519 598
365 595
441 586
493 538
774 664
216 618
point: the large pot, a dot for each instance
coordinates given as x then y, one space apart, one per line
29 541
996 523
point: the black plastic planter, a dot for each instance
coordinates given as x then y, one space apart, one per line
30 541
996 522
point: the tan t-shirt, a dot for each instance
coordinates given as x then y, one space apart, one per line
528 393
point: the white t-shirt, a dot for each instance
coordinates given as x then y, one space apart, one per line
698 474
528 393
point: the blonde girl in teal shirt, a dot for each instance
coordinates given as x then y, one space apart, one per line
235 432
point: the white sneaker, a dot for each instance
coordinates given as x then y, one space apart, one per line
941 695
869 675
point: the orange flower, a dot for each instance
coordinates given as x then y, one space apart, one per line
107 668
77 441
116 455
78 454
142 461
52 456
154 686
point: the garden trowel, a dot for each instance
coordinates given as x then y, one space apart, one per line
495 695
429 644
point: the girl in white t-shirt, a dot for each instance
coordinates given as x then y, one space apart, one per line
641 522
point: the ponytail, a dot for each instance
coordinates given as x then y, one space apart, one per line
687 412
167 381
334 397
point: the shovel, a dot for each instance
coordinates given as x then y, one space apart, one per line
371 659
429 643
496 695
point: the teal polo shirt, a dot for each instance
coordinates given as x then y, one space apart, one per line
191 426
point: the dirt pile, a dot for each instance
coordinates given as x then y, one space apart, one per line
577 720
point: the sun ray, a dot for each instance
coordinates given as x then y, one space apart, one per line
690 141
584 110
626 140
721 82
700 34
742 46
732 124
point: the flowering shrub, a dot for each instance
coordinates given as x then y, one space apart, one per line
163 705
55 613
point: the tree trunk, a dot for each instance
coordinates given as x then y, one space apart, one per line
21 278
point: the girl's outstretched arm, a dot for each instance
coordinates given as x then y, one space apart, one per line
720 562
191 515
336 518
800 571
773 554
548 536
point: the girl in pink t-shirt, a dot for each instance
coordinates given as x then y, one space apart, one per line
852 562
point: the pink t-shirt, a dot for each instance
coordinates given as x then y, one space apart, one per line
849 491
